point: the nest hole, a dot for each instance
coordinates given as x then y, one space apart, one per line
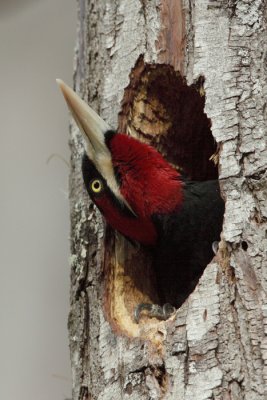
159 108
244 245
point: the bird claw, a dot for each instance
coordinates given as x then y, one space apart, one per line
154 310
215 247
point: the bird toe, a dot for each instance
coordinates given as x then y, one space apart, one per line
153 311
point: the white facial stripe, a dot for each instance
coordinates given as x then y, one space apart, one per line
93 128
103 163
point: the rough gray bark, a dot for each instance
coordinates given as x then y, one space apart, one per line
215 347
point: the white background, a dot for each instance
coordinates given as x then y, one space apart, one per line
37 41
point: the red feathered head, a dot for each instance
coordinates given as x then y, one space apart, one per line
128 180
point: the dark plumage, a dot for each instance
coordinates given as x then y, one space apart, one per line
185 240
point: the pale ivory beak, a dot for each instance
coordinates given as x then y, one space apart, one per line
93 129
90 124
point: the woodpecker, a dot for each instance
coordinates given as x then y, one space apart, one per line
148 201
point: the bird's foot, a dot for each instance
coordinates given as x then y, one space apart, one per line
153 310
215 247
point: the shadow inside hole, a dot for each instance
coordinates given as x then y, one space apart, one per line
189 142
161 109
244 245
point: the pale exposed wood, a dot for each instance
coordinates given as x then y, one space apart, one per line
216 346
171 39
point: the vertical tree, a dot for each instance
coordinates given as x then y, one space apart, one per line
178 74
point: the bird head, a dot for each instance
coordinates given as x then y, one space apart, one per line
129 181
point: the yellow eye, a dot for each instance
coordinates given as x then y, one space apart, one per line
96 186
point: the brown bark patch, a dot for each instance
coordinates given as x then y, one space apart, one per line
171 40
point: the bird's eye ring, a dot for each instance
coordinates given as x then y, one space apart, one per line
96 186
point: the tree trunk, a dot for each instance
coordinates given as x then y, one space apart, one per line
178 74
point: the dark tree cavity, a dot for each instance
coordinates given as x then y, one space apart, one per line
158 107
